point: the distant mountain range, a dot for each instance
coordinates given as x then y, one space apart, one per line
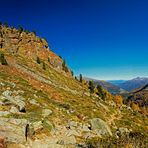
121 86
135 83
116 82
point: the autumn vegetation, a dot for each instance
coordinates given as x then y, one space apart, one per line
118 100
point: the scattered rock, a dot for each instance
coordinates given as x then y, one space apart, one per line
46 112
67 141
72 133
2 84
14 110
7 93
4 113
122 131
34 102
72 124
70 140
89 135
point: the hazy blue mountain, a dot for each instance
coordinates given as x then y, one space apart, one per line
116 82
134 83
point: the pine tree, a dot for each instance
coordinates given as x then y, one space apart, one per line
81 78
20 29
5 24
100 92
72 73
91 87
64 67
76 78
34 32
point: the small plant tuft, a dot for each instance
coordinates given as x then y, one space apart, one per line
44 66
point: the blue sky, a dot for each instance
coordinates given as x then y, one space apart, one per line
103 39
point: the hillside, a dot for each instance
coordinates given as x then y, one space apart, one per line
43 106
140 97
134 83
114 89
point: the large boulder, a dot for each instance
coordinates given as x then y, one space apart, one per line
100 127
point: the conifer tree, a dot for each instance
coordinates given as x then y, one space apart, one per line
91 87
81 78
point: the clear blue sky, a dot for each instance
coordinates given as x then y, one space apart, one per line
104 39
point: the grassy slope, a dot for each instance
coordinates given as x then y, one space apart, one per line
61 100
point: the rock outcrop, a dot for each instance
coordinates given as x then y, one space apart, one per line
29 45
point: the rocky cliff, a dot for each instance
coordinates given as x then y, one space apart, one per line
28 45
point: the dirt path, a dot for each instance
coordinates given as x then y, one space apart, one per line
113 117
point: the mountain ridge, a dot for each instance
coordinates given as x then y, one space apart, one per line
134 83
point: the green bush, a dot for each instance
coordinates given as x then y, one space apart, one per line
49 59
100 92
20 29
38 60
2 59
